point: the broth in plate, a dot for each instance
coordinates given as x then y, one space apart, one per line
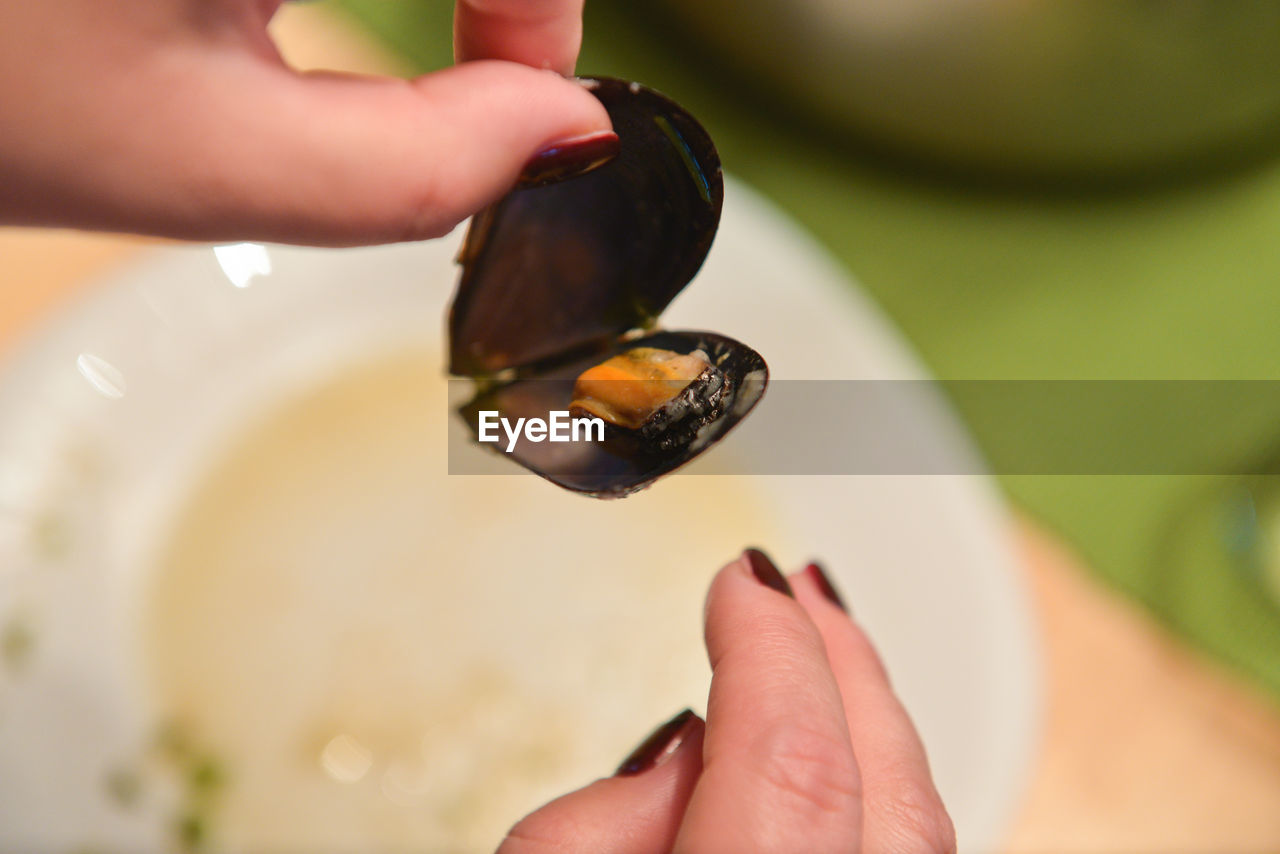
380 656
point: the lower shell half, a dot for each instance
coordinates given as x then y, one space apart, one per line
615 462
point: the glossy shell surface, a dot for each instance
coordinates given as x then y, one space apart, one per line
570 266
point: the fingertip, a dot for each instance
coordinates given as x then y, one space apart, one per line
848 646
493 119
661 744
754 567
479 79
637 810
545 34
570 158
824 585
749 595
766 572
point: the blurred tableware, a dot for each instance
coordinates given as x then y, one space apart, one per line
1033 87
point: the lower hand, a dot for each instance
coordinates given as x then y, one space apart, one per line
805 748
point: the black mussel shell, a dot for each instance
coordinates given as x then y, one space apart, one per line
625 461
570 266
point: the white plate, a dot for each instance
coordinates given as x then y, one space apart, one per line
110 413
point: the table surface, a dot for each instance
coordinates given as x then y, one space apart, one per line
1147 747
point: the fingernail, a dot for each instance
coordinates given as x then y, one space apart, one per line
655 749
766 573
825 587
570 158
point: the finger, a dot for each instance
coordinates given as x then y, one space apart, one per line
901 807
235 147
778 770
537 33
636 811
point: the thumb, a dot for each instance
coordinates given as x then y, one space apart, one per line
636 811
244 149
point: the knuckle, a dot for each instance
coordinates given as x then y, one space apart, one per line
814 773
539 834
917 822
424 214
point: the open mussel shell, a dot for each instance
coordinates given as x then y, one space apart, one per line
570 266
622 463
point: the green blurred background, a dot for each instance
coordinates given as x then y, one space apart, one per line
1149 264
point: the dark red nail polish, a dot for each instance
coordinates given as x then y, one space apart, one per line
662 742
825 587
766 573
569 158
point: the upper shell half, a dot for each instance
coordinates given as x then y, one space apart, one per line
551 269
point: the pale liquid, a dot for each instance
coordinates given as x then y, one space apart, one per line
387 658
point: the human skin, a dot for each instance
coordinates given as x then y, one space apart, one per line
179 118
804 747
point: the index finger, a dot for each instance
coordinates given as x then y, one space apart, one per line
779 774
537 33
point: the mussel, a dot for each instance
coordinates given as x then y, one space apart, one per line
562 285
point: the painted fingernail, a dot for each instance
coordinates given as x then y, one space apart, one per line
655 749
766 573
825 587
570 158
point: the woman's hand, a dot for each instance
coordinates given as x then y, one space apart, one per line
178 118
805 747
